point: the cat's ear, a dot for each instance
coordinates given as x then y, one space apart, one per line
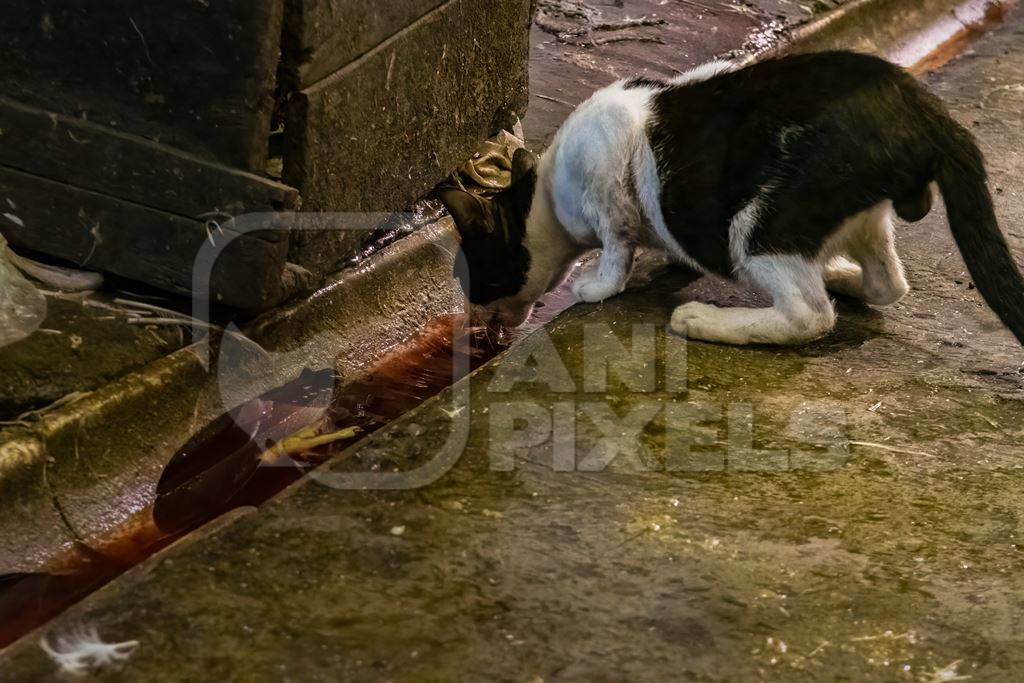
468 210
524 162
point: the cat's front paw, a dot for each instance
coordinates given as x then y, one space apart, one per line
694 320
594 289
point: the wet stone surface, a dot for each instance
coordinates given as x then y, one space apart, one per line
846 510
578 47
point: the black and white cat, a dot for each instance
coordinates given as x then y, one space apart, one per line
783 175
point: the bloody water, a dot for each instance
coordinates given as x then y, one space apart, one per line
29 600
224 466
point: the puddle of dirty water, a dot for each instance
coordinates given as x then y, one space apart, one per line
225 465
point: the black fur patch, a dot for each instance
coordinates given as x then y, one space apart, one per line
492 232
827 135
915 206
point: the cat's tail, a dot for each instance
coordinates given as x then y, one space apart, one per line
960 174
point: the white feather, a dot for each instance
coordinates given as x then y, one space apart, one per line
82 651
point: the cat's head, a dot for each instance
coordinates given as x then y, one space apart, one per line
492 232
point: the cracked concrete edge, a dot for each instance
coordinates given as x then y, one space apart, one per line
84 445
27 507
87 467
380 303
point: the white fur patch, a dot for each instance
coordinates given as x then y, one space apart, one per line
742 225
795 283
585 197
600 148
704 72
591 158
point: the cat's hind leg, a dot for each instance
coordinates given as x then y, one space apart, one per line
801 309
877 276
843 276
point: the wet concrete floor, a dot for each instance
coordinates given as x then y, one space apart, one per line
578 47
846 510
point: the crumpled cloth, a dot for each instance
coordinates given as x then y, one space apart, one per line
491 167
22 306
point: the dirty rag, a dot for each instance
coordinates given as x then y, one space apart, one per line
490 169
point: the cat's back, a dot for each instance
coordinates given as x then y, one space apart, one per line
804 86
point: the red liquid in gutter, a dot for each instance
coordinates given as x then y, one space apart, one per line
219 469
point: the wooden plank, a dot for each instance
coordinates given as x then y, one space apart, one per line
389 126
321 36
195 74
385 129
105 233
94 157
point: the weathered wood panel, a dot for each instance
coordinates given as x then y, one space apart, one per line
321 36
94 157
194 74
105 233
388 127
